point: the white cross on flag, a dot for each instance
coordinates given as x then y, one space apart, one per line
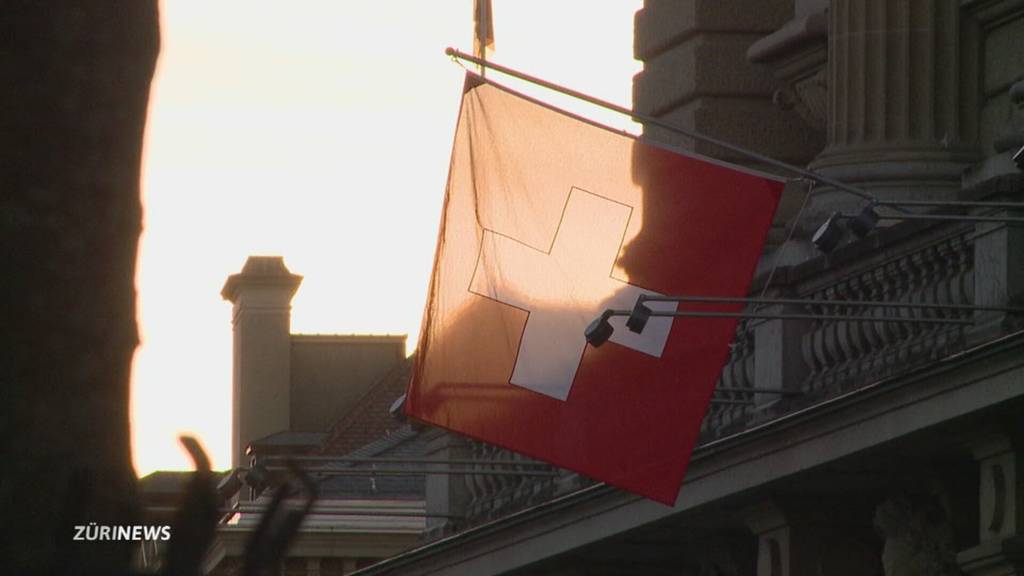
548 221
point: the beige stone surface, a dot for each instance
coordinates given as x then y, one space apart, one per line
663 23
704 65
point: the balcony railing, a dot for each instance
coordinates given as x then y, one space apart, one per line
927 265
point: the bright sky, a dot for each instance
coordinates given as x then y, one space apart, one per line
317 130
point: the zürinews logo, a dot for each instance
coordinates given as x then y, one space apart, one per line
95 533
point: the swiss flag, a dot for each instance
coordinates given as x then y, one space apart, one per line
548 221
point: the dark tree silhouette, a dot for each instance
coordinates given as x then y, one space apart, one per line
76 79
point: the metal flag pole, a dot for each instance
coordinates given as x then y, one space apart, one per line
484 27
946 217
898 205
651 120
951 204
841 303
764 316
482 31
600 330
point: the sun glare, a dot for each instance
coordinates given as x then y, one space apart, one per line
319 131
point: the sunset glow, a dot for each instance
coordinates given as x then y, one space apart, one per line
319 131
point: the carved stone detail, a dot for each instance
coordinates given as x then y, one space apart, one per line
1012 136
841 354
812 94
896 115
493 496
918 536
797 52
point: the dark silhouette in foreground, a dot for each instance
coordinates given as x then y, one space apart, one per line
76 89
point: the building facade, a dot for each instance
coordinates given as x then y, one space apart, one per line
832 447
320 401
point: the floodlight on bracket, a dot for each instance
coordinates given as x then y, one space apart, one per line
831 233
600 330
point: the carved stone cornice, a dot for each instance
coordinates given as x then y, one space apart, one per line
798 54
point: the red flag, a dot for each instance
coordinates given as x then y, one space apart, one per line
548 221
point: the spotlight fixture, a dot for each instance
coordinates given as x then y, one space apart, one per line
862 224
637 320
230 484
600 330
396 408
828 236
256 477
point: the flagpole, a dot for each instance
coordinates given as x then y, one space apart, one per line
483 40
759 316
841 303
651 120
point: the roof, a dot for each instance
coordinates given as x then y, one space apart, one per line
404 442
390 339
286 444
369 419
370 430
169 481
291 439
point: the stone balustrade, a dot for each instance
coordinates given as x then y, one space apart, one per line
777 366
841 355
494 496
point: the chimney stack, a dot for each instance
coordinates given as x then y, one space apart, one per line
261 319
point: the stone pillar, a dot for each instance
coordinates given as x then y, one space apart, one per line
1010 139
1000 551
1011 136
895 115
696 75
261 317
774 536
998 268
778 355
446 494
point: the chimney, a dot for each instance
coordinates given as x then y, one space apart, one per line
261 319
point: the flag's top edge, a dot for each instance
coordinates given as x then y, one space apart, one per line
474 80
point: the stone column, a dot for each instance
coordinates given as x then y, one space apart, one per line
778 354
696 75
446 494
895 116
1000 551
998 266
261 377
770 526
